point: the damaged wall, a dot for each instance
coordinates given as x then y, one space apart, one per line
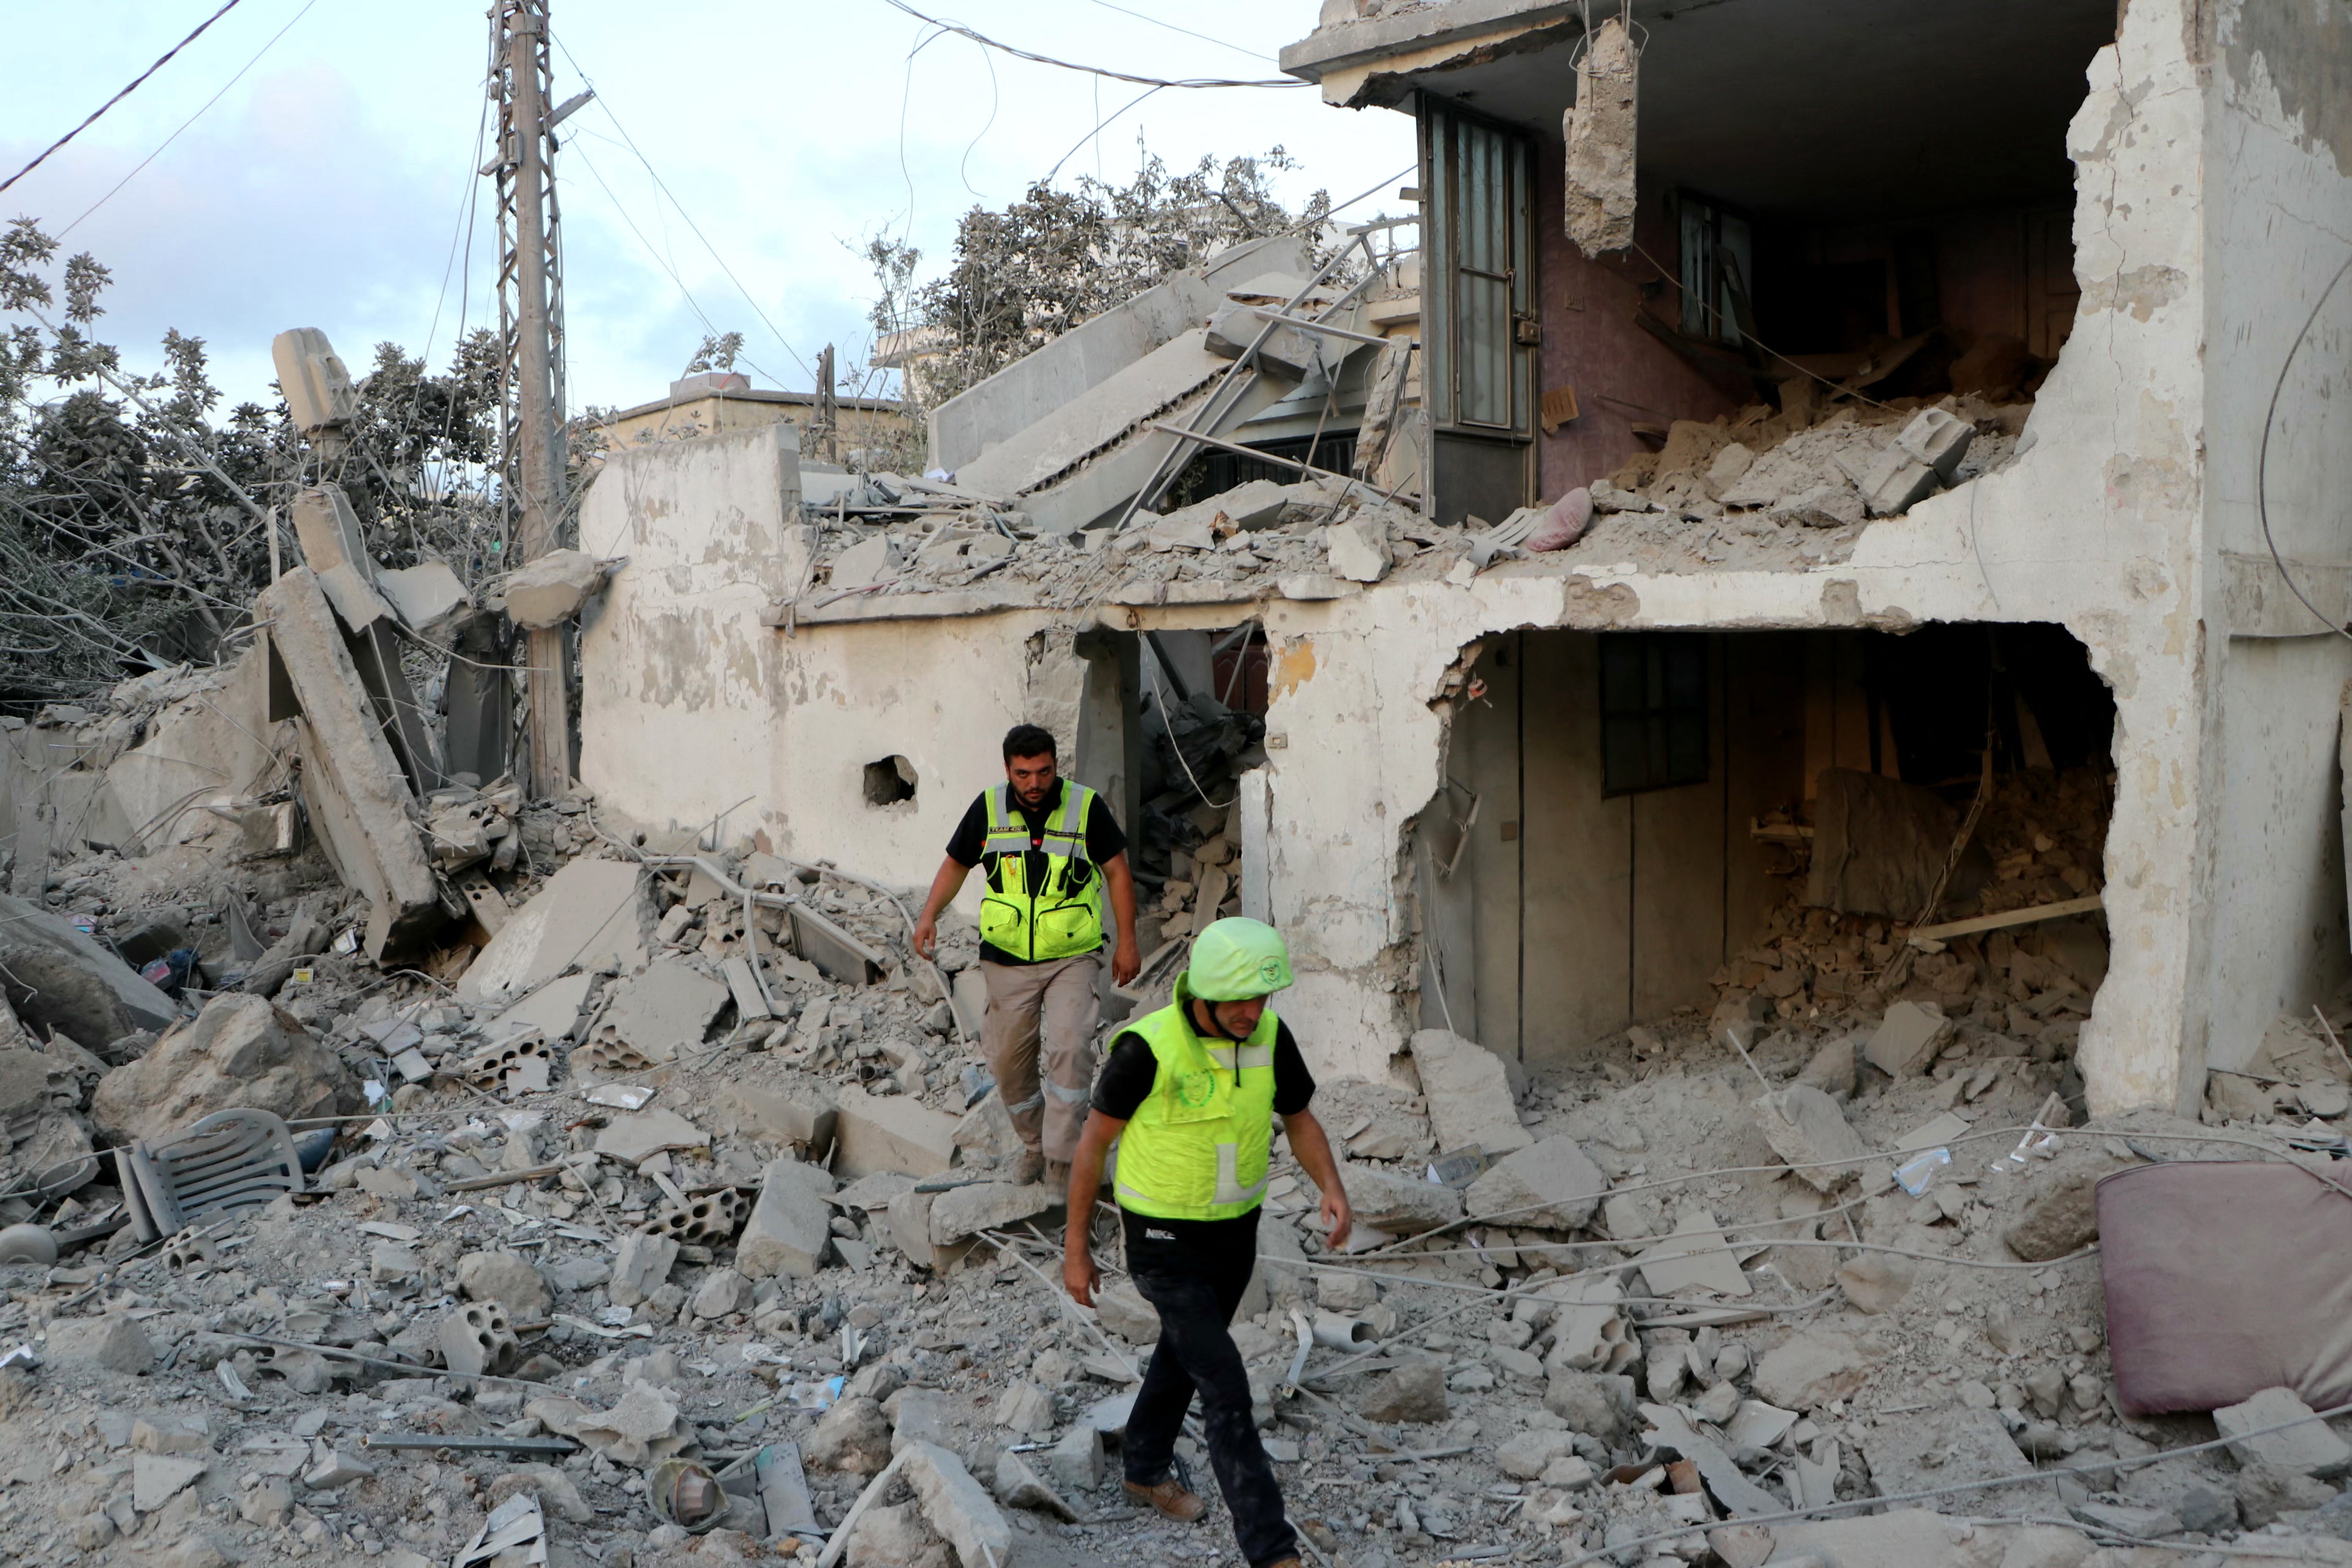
2278 98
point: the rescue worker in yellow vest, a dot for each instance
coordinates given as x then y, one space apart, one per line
1190 1093
1052 856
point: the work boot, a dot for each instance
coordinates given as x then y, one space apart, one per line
1057 1176
1029 1167
1170 1498
1284 1563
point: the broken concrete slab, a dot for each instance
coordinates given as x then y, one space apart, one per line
1951 1447
508 1279
2310 1448
1358 549
1548 1185
551 1012
111 1340
57 976
1805 1128
1415 1392
157 1479
1695 1256
1019 1486
241 1051
1815 1366
978 1206
666 1009
353 784
910 1232
591 915
890 1132
327 529
549 589
426 596
636 1136
958 1505
799 1114
1673 1433
1939 438
1469 1094
836 954
1906 1042
641 1267
790 1227
1397 1203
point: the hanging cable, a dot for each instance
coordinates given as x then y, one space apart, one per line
163 59
1019 54
192 119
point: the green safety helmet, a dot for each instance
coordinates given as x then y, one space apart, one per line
1237 959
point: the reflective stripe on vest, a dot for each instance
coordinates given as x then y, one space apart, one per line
1197 1146
1062 916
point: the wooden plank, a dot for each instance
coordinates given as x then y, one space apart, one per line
2032 915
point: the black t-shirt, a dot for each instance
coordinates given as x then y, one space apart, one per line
1129 1069
1103 841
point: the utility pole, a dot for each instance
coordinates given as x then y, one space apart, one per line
530 315
828 409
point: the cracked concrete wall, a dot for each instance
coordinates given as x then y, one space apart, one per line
2098 526
678 722
2278 227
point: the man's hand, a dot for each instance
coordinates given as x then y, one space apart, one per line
1080 1277
1126 963
1337 1217
927 935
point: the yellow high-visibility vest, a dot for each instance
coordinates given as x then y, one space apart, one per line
1198 1145
1063 915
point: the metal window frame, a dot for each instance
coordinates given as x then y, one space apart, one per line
1443 329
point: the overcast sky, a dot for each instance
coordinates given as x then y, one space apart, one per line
328 186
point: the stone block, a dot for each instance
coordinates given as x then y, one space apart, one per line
1468 1089
2311 1448
1121 1308
1358 549
510 1280
1075 1463
1805 1126
790 1227
968 1210
2061 1215
1906 1042
640 1267
1812 1368
550 589
1398 1204
1413 1391
1938 438
1528 1455
240 1052
157 1479
663 1011
722 1293
1025 1408
959 1507
890 1132
591 915
799 1115
853 1436
1834 1069
1598 1404
2265 1492
109 1340
1547 1186
1890 481
986 1135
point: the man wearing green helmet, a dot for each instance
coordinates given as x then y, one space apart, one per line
1190 1093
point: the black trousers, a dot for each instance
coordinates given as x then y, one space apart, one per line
1194 1273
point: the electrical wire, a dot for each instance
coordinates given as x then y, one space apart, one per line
192 119
2262 461
1205 37
162 60
1019 54
659 185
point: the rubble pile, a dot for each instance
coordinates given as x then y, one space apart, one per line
1767 483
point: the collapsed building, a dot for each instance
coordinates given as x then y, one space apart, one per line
1721 601
1990 490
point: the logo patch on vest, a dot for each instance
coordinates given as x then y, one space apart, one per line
1194 1090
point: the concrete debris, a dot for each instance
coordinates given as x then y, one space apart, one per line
2310 1448
550 589
1469 1094
1122 1310
591 915
1805 1128
957 1506
1551 1184
790 1227
1601 197
1396 1204
240 1052
1413 1391
1906 1042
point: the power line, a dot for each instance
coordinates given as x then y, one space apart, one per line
119 97
660 185
984 41
192 119
1205 37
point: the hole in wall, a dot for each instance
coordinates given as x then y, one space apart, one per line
890 781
